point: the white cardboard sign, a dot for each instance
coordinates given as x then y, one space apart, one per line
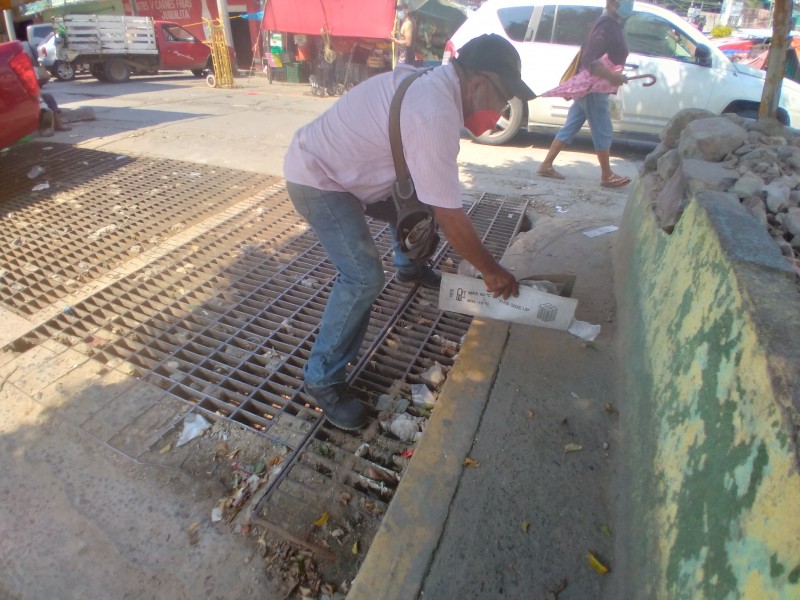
468 296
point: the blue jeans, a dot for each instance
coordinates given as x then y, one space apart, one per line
595 108
337 218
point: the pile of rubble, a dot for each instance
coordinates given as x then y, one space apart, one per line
755 163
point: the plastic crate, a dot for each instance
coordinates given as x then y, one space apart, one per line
295 73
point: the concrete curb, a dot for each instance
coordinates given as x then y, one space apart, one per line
398 559
712 348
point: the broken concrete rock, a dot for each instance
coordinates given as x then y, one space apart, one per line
711 139
668 164
792 222
756 163
777 199
703 175
672 132
651 160
755 206
671 201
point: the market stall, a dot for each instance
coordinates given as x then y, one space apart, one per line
334 44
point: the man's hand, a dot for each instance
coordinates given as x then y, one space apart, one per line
458 230
501 283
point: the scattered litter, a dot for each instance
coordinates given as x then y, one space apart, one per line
193 426
434 376
574 395
604 529
68 311
337 533
606 446
40 187
356 547
582 329
405 427
597 565
103 231
363 450
322 520
35 172
600 231
471 462
408 453
525 526
121 157
216 514
561 209
530 415
572 447
391 404
310 282
422 396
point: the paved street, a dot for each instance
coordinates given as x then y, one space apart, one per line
54 411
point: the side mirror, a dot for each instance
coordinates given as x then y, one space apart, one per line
702 55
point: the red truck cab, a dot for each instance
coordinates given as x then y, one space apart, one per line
178 49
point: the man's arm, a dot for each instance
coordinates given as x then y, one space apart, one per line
458 230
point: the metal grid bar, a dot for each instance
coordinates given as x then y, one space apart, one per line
420 335
99 212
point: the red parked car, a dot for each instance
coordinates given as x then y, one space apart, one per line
19 94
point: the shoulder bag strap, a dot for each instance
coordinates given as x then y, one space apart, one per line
404 187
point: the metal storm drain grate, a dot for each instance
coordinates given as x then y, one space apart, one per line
226 322
97 211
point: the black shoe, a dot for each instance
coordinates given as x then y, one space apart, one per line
422 274
340 404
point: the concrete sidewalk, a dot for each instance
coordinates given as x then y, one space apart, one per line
521 524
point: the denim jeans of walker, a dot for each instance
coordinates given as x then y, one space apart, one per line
338 220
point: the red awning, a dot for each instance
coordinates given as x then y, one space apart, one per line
342 18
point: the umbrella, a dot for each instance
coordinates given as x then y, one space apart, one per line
437 10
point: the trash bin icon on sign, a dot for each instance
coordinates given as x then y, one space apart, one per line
547 312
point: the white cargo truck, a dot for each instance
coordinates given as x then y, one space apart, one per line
114 47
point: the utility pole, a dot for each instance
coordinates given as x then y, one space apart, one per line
225 20
776 63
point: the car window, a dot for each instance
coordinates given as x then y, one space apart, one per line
177 34
572 24
515 21
653 36
544 31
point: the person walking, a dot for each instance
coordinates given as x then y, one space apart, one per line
341 162
603 54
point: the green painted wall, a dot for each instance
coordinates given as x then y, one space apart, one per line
710 320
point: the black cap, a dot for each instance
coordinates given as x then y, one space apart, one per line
493 53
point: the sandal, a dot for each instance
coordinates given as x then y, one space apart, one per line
615 181
550 172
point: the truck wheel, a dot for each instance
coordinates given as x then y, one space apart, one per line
64 71
117 71
211 80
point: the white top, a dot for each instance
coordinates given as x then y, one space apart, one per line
346 149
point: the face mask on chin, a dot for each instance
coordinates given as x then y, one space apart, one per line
482 121
625 9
